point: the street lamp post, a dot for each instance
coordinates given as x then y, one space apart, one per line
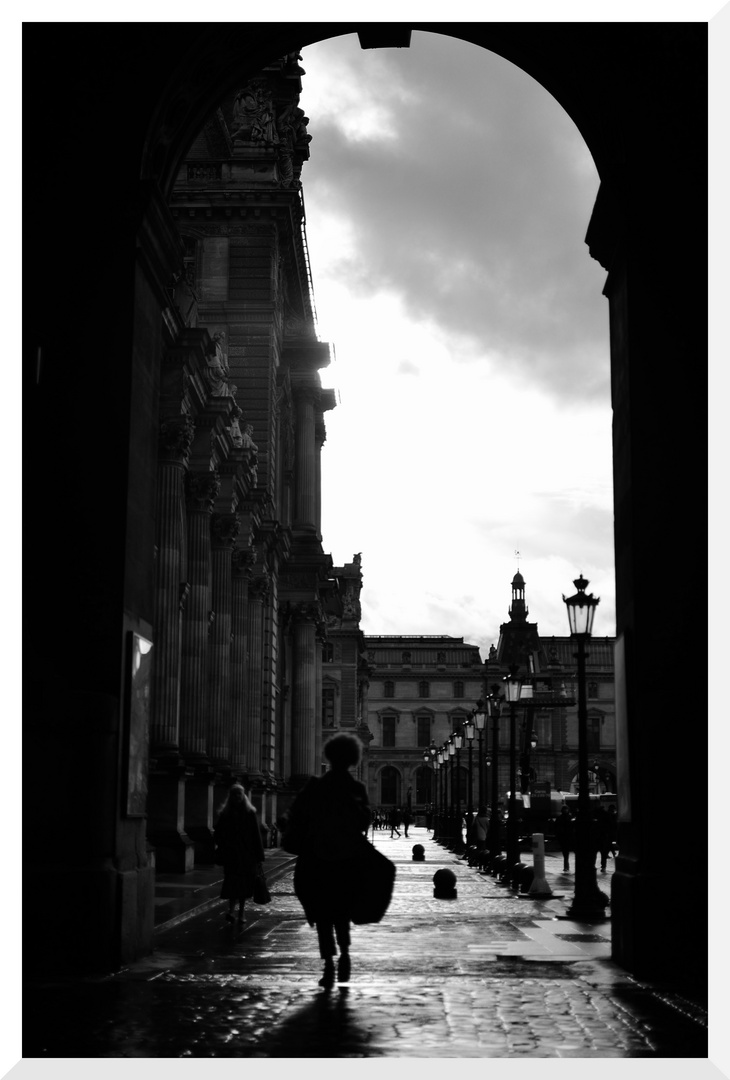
480 718
469 728
494 843
451 751
588 901
458 838
512 686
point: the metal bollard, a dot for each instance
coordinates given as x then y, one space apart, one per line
539 886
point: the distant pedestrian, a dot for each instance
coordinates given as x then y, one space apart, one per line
479 829
326 827
429 818
564 833
613 817
395 820
407 819
604 828
239 849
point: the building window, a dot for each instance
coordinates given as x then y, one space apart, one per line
389 689
593 734
423 724
406 657
458 688
328 652
424 781
441 658
423 689
593 689
328 707
388 723
389 786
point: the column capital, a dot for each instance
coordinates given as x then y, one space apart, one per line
175 439
202 489
260 585
243 561
224 529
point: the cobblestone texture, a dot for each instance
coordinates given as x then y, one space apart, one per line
488 974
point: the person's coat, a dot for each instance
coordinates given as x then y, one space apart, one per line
326 826
239 849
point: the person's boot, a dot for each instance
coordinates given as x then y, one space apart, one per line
328 975
343 968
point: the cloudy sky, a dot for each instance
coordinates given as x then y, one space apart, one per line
448 197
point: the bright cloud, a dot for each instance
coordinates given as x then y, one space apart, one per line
448 197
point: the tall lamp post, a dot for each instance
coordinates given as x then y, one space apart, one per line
458 837
429 755
588 901
469 729
512 689
451 751
494 843
480 719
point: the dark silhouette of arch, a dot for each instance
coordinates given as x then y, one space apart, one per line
128 100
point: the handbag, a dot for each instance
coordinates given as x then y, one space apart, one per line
261 894
375 879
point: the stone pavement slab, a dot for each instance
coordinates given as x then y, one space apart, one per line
488 974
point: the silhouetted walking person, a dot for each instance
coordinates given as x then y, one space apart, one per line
326 827
395 819
239 849
564 835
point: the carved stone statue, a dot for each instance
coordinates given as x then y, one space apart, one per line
218 368
246 439
235 428
492 652
253 115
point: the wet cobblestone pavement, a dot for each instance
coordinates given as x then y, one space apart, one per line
488 974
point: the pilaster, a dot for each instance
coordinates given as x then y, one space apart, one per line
224 530
202 488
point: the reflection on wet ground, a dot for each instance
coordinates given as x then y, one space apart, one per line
490 974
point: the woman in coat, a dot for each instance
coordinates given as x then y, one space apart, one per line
240 849
326 827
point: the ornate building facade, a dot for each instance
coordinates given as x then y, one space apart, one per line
422 689
244 589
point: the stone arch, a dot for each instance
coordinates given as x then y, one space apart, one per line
133 133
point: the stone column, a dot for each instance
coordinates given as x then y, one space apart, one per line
166 792
224 529
258 590
320 436
174 444
304 693
306 471
241 563
202 490
319 642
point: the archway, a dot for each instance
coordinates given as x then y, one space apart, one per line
649 237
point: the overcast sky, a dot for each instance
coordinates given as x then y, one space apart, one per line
448 197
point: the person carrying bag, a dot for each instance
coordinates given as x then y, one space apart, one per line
339 876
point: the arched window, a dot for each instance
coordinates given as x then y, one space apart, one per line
424 784
423 688
389 786
389 688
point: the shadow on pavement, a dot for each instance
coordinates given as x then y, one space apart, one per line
326 1027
